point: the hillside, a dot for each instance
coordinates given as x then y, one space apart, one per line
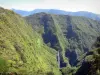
91 63
48 44
60 12
22 50
71 35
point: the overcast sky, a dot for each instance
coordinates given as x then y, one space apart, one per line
67 5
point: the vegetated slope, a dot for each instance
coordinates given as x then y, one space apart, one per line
71 35
22 49
91 63
59 12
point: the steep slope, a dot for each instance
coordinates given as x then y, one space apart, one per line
45 25
22 49
91 63
59 12
71 35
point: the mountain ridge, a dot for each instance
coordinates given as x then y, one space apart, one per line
60 12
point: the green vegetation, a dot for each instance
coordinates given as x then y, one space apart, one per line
68 71
72 35
91 63
3 66
28 46
23 49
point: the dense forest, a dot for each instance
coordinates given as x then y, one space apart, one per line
48 44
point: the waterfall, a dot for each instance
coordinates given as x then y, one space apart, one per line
60 61
58 58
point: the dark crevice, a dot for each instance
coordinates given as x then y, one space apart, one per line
84 69
85 49
50 38
70 29
72 56
60 61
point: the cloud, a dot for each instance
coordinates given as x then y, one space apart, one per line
68 5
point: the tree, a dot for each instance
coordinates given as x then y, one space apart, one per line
3 66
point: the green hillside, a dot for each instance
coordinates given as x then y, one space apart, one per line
22 50
91 63
36 44
71 35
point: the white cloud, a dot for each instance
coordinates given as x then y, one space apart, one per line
68 5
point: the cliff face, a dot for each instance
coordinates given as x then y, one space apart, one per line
72 36
22 50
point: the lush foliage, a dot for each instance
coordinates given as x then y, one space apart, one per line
72 35
3 66
23 48
91 63
27 45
